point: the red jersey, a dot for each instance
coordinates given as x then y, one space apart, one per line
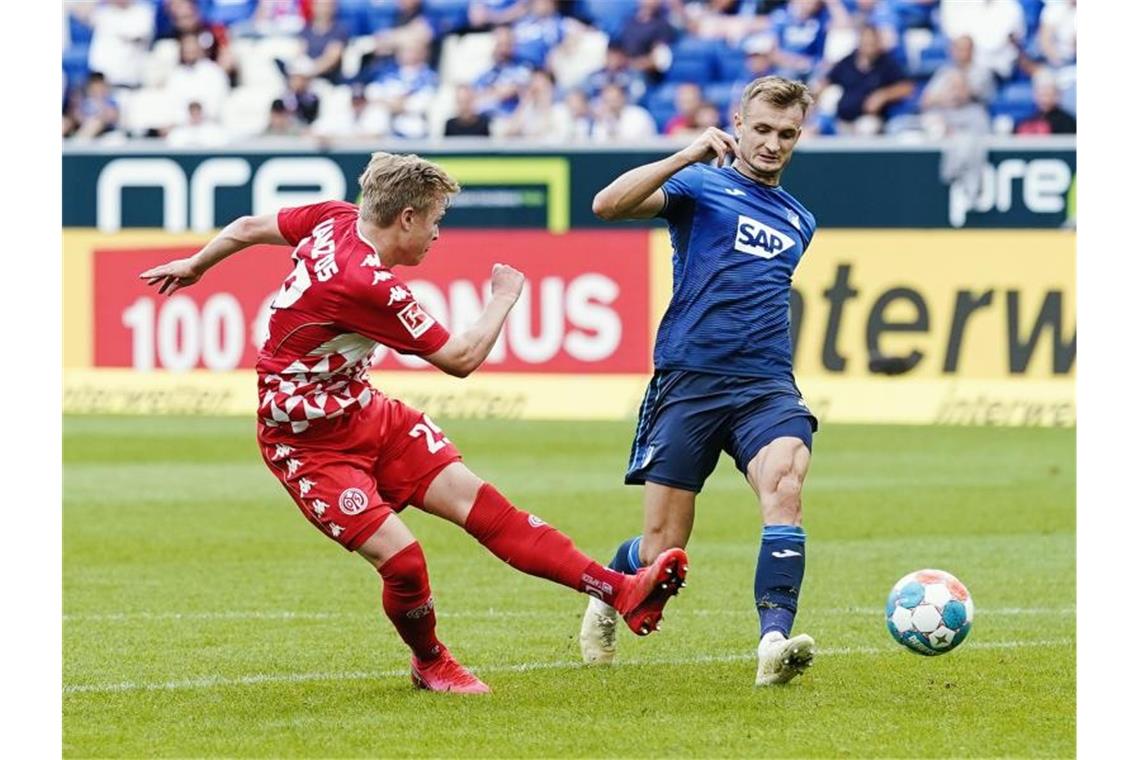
331 314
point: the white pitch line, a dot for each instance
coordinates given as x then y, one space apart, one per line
493 614
209 682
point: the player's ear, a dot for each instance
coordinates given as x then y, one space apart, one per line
407 217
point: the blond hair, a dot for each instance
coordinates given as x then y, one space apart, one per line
391 183
778 91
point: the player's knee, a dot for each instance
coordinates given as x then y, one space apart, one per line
788 494
405 567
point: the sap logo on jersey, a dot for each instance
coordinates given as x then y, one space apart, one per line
415 320
758 239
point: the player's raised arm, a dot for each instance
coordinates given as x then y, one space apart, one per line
462 354
637 194
235 236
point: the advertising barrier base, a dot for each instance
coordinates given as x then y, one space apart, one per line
1029 403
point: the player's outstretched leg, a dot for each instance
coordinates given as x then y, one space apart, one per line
777 473
598 635
409 605
668 523
528 544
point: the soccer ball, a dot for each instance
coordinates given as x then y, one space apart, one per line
929 612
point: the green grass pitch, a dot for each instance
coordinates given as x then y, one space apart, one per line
203 616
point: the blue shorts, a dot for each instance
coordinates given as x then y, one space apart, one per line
688 418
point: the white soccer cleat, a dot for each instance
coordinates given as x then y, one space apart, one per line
780 659
598 637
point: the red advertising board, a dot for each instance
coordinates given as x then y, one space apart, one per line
585 307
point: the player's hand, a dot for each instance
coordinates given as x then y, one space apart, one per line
713 143
506 281
172 275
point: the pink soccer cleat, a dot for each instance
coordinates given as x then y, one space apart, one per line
444 673
644 596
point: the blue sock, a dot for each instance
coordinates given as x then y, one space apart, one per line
779 573
627 559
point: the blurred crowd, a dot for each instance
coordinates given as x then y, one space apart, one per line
210 72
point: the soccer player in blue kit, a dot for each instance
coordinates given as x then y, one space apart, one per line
723 360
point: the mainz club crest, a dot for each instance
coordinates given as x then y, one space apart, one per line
352 501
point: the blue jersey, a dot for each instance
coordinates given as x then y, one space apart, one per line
736 244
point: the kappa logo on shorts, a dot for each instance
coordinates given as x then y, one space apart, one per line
535 521
352 501
758 239
415 320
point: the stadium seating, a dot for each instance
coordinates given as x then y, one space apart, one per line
715 65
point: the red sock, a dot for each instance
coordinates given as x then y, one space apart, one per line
408 602
528 544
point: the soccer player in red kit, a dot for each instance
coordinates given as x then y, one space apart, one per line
352 457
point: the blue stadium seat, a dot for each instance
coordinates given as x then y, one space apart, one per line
693 61
730 63
75 69
379 14
354 15
79 32
931 57
1015 100
609 15
1032 9
697 70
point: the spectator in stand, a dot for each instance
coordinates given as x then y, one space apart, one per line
282 121
728 20
573 117
1057 34
995 26
539 31
407 90
325 39
186 18
487 14
877 13
467 121
299 100
273 18
93 112
196 79
760 61
801 31
646 37
412 26
1057 46
617 70
942 90
535 117
120 37
196 131
871 80
686 100
360 120
1049 119
708 115
952 108
499 88
616 119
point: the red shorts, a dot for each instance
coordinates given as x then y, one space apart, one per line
349 474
